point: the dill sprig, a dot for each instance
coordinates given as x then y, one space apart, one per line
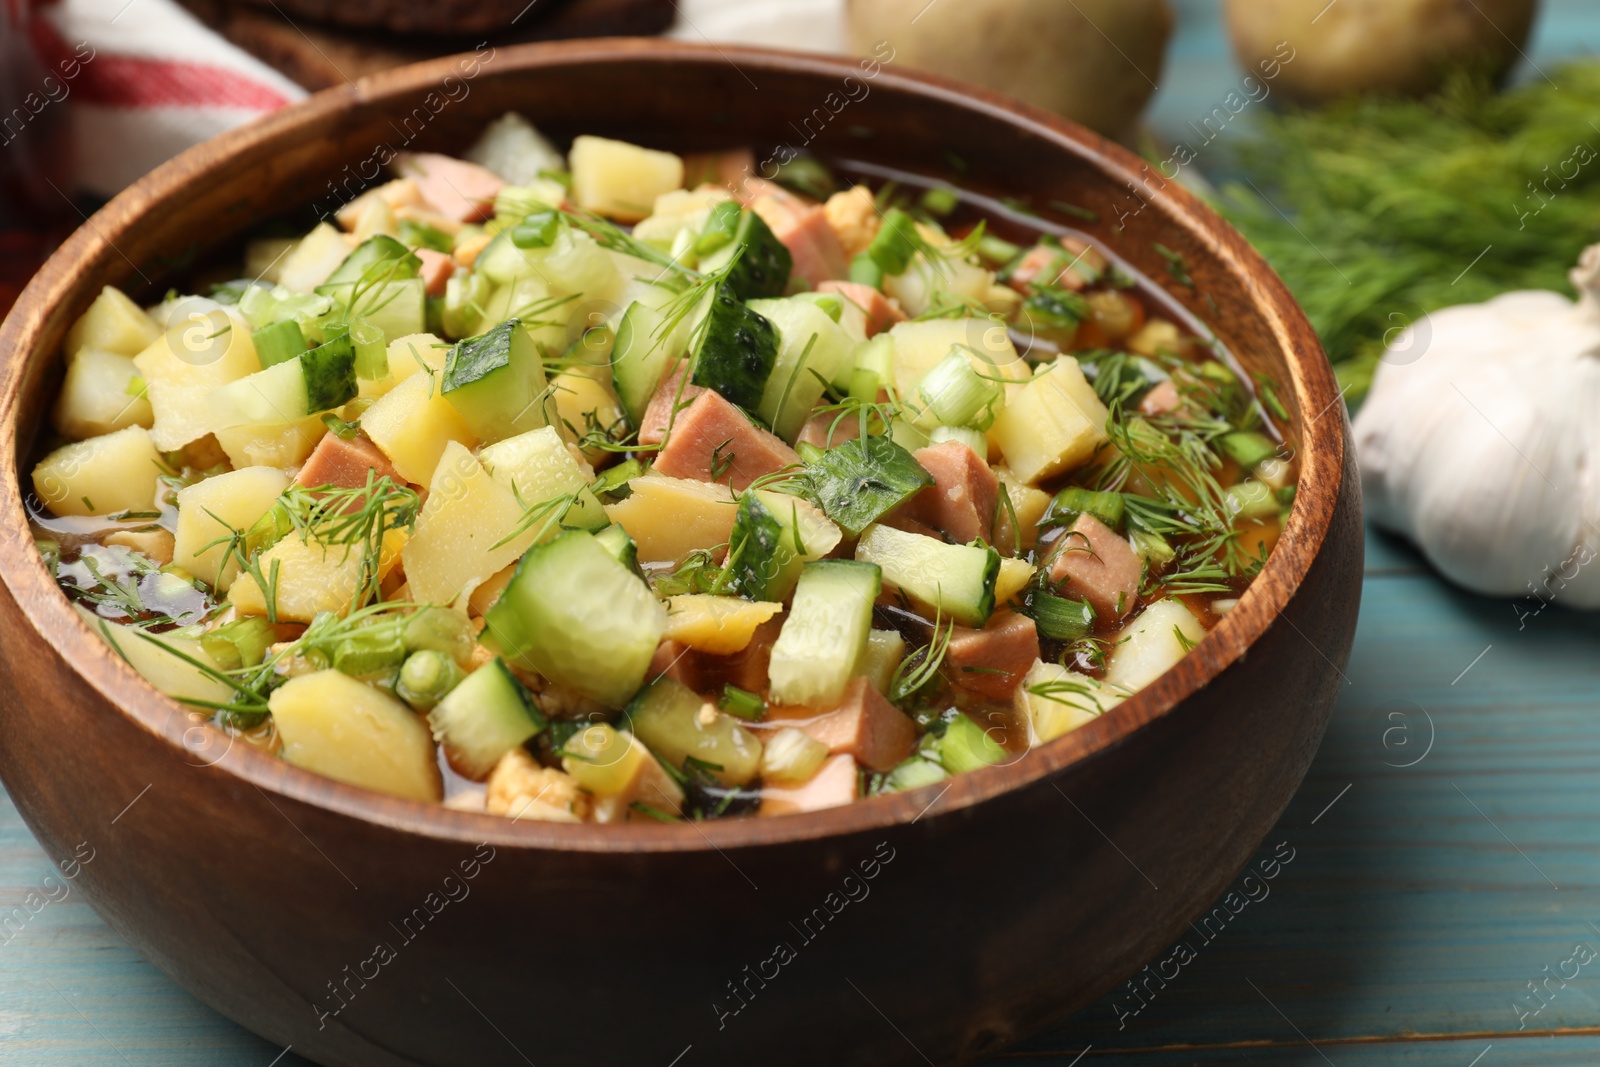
922 666
1376 210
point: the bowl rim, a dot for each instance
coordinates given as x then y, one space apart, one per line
1322 445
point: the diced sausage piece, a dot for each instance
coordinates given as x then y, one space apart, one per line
436 270
900 519
804 230
1094 564
345 464
725 170
1161 400
713 441
454 188
1076 265
672 392
1032 264
675 660
962 499
998 655
828 429
831 787
752 189
867 726
881 312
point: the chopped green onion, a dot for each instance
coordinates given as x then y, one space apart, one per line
997 250
426 678
940 200
955 394
368 650
1109 508
240 644
1151 547
464 297
537 230
278 343
1247 448
864 270
344 431
973 439
742 704
895 243
1251 500
1060 618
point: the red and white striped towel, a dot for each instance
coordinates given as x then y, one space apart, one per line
146 80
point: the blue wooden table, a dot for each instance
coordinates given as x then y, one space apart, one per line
1445 869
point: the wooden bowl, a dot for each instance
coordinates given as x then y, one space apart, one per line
932 926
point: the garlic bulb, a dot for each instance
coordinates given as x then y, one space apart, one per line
1480 441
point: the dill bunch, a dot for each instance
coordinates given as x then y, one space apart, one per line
1390 202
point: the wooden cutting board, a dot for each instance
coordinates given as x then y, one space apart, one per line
319 54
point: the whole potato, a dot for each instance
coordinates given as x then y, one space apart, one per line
1095 61
1353 46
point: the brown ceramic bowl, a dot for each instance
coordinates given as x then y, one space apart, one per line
931 926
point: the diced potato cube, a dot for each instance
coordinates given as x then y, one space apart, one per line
1051 425
286 445
199 353
312 577
619 771
467 512
399 193
217 507
621 180
1014 576
1028 504
412 424
670 517
344 729
538 466
100 395
317 255
376 218
113 323
677 210
100 476
1151 644
584 402
721 625
1054 700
